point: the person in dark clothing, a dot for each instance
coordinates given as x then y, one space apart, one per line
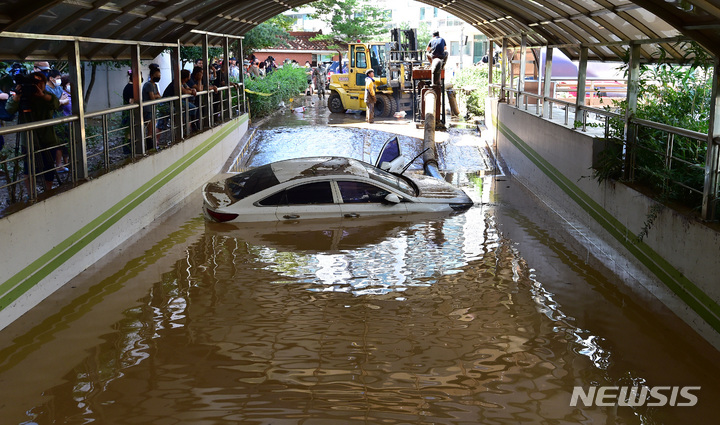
184 79
437 55
150 92
42 106
128 95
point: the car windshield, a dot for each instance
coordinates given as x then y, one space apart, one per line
250 182
389 179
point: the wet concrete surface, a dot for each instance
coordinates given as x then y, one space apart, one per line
486 317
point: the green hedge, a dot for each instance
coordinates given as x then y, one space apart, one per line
282 84
471 88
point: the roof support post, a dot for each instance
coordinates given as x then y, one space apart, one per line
139 142
521 74
503 78
206 79
582 78
547 82
226 73
491 65
177 127
241 55
79 144
633 85
712 157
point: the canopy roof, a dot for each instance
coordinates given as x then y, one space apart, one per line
605 26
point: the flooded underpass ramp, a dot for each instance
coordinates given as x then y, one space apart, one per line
491 316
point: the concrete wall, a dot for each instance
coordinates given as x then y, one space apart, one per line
48 243
678 261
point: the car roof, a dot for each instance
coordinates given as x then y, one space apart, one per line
299 168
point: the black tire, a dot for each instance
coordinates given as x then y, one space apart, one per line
385 106
335 104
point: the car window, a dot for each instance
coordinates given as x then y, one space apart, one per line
360 192
250 182
389 179
311 193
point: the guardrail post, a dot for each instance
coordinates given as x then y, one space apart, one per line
582 79
547 82
633 85
712 157
79 144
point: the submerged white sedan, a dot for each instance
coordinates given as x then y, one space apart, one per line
328 188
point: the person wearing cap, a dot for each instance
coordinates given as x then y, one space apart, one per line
233 69
43 67
370 98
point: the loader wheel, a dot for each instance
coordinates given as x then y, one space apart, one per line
335 104
385 106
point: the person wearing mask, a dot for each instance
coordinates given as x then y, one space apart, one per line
196 82
62 155
185 89
370 98
150 92
54 86
42 67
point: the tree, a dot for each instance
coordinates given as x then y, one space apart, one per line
192 53
350 20
273 32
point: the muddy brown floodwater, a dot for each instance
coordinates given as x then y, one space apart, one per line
487 317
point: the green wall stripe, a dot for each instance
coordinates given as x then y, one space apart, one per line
693 296
58 255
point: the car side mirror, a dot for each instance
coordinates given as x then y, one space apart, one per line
392 198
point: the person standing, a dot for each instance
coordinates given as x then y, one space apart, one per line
437 55
370 98
43 105
150 92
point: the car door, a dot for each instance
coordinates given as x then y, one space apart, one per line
390 157
313 200
363 199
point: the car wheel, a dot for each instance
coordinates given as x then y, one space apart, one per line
335 104
385 106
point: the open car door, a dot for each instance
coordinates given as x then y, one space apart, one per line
390 158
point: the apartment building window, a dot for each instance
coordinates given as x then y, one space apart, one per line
422 13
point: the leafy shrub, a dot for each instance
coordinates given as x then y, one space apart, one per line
281 84
471 88
676 95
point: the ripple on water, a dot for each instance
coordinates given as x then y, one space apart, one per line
437 321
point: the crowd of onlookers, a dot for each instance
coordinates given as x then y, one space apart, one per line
45 93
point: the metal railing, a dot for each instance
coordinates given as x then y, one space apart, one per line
112 139
660 148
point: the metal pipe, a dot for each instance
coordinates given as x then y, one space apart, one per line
430 163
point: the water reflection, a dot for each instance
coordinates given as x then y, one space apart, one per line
433 321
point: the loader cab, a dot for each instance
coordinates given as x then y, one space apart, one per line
364 56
